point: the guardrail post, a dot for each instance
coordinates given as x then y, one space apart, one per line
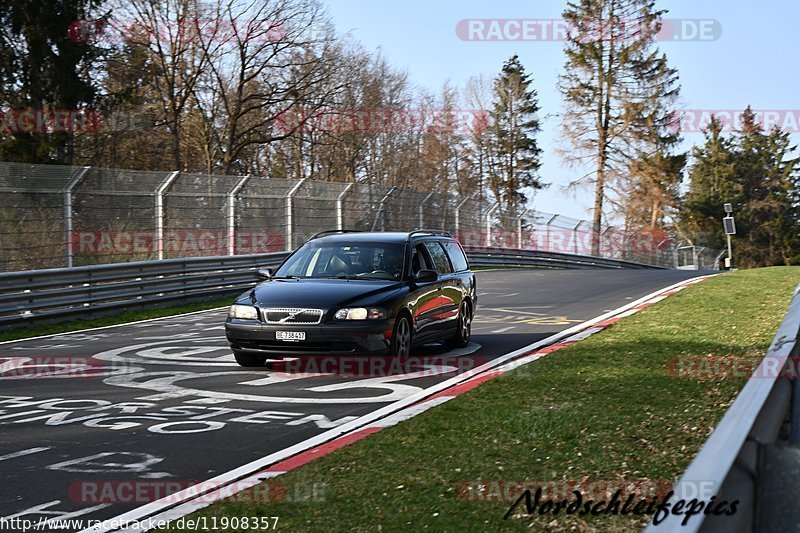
339 203
68 212
379 214
159 237
519 228
289 221
489 214
421 206
231 199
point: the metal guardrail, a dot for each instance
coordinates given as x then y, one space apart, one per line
41 295
753 455
87 291
489 257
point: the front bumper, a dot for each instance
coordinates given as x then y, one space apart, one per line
368 337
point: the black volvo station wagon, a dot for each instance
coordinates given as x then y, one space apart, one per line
357 293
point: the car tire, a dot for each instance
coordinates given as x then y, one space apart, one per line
248 360
400 346
464 330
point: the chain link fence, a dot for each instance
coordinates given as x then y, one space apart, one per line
56 216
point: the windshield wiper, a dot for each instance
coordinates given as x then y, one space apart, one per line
346 276
284 277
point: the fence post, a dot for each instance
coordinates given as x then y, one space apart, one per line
600 244
289 221
519 228
458 217
68 211
231 198
549 222
575 236
160 212
421 205
339 201
379 214
489 223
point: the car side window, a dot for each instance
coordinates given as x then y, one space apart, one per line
456 255
440 261
419 260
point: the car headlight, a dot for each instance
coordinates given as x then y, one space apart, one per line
244 312
360 313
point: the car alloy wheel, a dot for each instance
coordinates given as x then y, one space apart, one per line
401 340
464 331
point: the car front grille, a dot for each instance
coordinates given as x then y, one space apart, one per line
298 315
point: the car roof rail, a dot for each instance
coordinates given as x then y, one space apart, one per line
439 232
333 232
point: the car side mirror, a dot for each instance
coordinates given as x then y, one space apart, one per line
264 274
426 276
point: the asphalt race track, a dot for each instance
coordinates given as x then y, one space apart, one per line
163 404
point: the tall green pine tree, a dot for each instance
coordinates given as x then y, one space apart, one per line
514 127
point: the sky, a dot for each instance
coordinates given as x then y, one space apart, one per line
729 54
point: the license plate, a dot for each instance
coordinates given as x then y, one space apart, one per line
290 335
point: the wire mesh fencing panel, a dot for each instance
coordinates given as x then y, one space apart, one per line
195 220
318 206
405 209
262 215
55 216
470 222
690 257
113 216
362 207
32 220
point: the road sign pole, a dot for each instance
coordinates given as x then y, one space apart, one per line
729 259
729 226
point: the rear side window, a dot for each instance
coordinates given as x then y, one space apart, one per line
440 261
456 255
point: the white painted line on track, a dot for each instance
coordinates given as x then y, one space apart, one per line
503 330
78 331
23 453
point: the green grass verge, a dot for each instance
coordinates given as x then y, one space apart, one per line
111 320
606 408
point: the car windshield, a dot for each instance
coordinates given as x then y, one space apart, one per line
345 261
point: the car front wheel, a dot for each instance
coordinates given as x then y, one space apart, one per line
401 338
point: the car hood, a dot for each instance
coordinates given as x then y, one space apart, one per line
320 293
